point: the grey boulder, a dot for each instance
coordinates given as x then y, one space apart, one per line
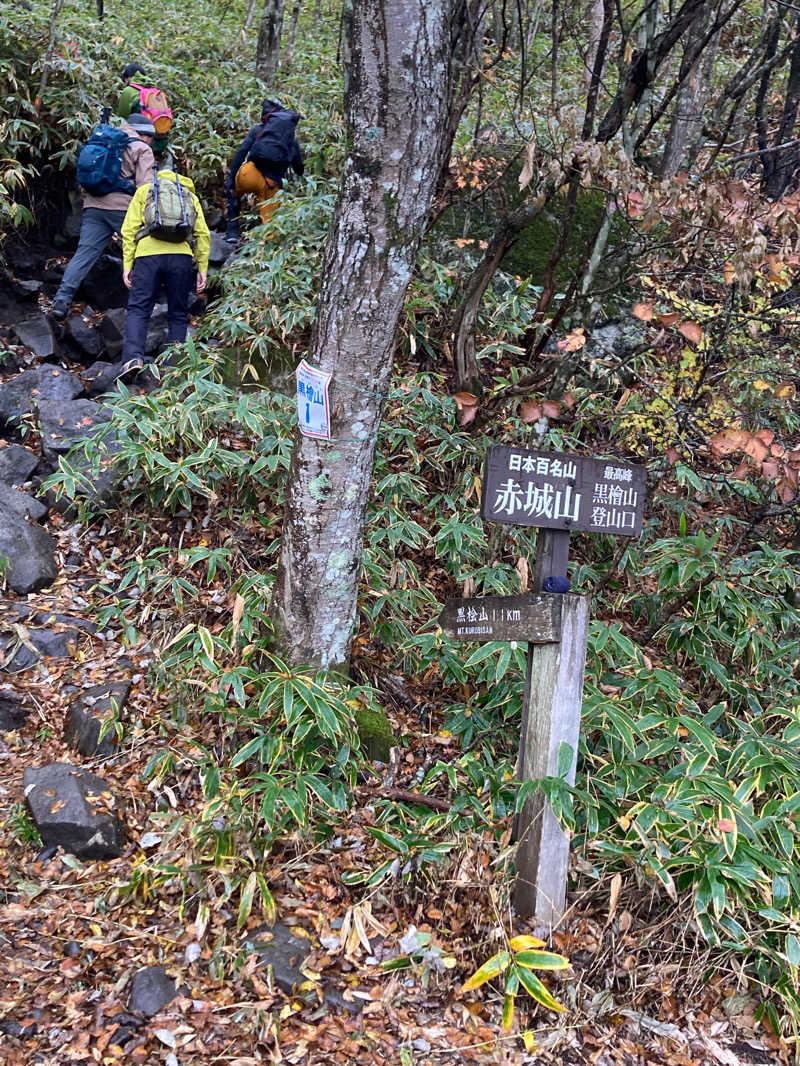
151 989
220 251
19 502
36 333
84 336
86 715
100 377
13 711
30 554
16 464
156 330
75 810
64 423
112 329
22 394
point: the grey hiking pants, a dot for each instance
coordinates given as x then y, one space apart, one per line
97 228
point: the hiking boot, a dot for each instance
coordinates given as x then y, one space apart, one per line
232 234
131 366
59 310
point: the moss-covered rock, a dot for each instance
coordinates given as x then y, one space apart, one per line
375 734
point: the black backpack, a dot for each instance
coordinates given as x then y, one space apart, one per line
273 142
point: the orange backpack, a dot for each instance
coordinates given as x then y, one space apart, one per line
153 104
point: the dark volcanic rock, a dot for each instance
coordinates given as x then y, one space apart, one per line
36 333
21 503
285 953
103 286
51 643
16 464
112 329
13 711
75 810
100 377
30 553
151 989
279 948
220 249
64 423
84 336
20 395
156 330
27 288
87 714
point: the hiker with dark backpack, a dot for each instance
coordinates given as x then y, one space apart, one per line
163 222
261 163
110 167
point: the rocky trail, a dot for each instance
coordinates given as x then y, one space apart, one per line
98 963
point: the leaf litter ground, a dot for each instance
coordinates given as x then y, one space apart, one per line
72 937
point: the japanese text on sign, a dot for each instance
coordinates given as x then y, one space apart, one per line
532 617
560 491
313 406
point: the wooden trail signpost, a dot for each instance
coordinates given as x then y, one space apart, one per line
559 493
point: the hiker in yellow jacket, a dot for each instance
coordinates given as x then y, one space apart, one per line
161 220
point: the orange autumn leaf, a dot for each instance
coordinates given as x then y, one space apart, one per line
769 469
691 331
765 435
551 408
672 456
726 825
572 342
669 319
728 273
756 449
530 411
644 311
729 441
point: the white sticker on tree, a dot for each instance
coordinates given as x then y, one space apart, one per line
313 406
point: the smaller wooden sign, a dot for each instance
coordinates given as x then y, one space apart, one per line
535 618
555 490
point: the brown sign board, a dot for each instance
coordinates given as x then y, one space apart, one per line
555 490
535 618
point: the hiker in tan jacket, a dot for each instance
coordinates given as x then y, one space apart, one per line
103 215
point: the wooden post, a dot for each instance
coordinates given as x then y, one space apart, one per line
551 715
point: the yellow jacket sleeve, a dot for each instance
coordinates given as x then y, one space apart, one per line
134 219
202 238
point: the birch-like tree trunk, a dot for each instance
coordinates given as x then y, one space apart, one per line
291 37
269 41
695 73
396 106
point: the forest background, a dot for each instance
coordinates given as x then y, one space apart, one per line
608 269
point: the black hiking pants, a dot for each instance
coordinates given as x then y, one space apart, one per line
174 275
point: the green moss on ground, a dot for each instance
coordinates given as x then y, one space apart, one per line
375 734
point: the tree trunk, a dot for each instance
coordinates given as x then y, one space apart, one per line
251 14
269 41
785 160
644 66
467 374
396 106
691 98
291 38
594 17
467 64
51 43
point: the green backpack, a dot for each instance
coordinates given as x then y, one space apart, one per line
169 212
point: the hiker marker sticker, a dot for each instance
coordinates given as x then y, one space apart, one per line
313 406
